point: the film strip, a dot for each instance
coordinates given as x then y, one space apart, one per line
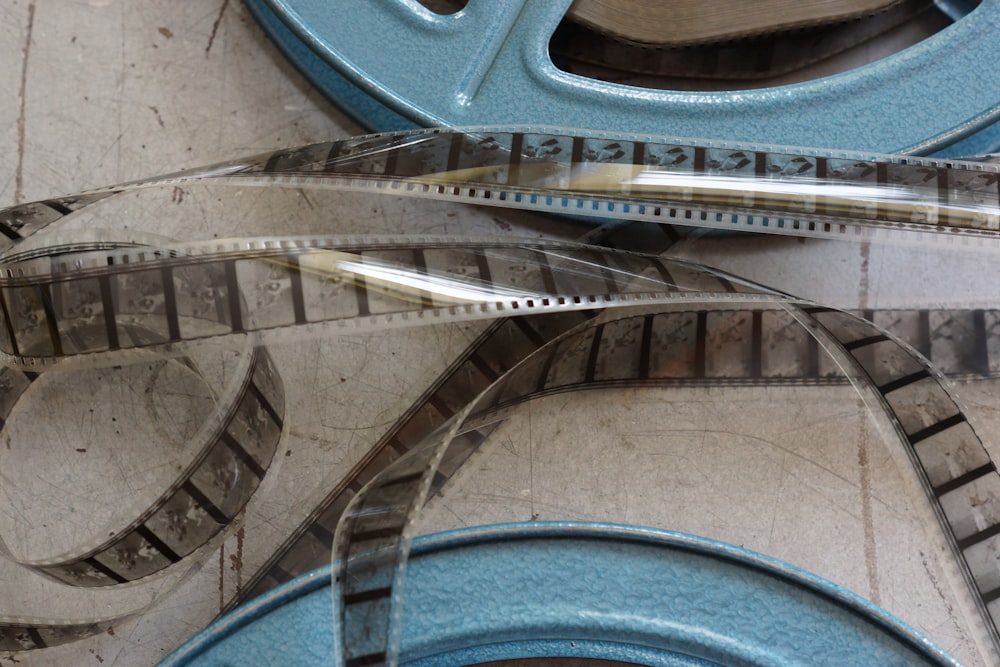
69 305
958 471
199 292
707 184
235 446
716 185
94 304
760 346
76 310
683 347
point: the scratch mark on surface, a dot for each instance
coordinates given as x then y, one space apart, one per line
122 95
236 561
777 500
312 207
868 522
215 26
222 571
865 283
21 96
531 469
156 112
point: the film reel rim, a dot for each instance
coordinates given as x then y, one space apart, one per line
430 546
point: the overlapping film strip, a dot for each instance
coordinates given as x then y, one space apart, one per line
722 185
674 346
74 307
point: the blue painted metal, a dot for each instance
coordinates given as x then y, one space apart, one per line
582 590
359 105
489 64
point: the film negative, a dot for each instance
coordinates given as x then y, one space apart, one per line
208 471
150 297
188 294
675 346
700 183
770 357
81 306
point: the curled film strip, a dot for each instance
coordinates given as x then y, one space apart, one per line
662 347
717 185
211 477
371 292
87 318
705 184
75 304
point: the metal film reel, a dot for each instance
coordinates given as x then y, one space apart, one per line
490 63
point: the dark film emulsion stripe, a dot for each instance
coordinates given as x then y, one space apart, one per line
233 297
170 303
243 455
204 503
963 479
106 571
158 544
108 311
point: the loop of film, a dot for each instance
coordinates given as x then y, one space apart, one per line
82 306
234 448
93 306
669 347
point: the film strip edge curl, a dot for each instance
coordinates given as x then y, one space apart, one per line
695 182
378 519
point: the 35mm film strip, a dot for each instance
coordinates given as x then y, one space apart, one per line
88 320
710 184
684 348
81 305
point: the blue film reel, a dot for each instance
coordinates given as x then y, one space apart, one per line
394 64
548 590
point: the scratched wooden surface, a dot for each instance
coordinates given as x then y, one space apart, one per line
100 91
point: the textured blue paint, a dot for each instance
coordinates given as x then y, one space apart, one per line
489 64
584 590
